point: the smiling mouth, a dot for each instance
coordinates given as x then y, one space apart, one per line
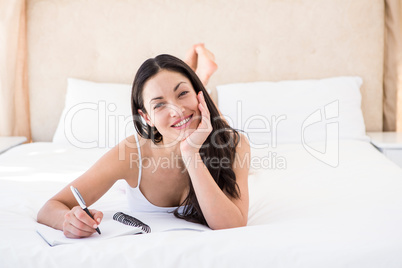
183 122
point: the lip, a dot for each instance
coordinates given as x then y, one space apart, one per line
181 119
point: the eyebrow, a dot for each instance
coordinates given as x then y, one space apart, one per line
174 90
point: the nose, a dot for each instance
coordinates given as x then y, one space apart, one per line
176 110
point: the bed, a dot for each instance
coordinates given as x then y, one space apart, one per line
300 84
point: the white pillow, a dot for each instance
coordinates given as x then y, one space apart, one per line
294 111
95 115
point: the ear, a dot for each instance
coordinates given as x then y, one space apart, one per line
145 116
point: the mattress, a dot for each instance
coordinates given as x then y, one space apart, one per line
303 213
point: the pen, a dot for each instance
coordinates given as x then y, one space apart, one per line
82 204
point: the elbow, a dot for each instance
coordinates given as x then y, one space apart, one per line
229 225
50 214
41 215
241 223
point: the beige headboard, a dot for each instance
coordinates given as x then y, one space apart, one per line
107 40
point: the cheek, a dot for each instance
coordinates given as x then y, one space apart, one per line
193 104
159 118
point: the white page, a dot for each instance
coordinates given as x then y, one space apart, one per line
159 222
108 227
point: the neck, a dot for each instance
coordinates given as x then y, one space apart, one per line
169 147
172 153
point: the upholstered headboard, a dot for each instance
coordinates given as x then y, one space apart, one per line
107 40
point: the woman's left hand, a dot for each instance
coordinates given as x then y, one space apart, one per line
194 138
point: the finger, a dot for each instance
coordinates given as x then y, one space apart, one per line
69 235
76 224
203 102
205 119
201 97
71 231
72 227
98 215
82 220
205 115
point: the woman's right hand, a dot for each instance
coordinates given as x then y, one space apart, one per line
78 224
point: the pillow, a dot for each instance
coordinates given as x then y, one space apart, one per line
95 115
294 111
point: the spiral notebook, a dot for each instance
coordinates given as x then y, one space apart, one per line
116 224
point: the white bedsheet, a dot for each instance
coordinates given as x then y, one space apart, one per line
306 215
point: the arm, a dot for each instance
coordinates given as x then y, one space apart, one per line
219 209
62 211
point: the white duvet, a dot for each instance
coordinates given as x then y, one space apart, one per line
307 214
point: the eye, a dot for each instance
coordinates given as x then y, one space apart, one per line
183 93
158 105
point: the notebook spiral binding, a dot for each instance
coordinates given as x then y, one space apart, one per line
130 220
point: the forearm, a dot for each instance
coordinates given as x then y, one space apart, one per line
52 214
219 211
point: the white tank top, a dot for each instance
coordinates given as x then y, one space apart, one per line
137 202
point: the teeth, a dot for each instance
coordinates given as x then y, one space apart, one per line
182 122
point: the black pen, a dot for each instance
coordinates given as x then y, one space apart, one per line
82 204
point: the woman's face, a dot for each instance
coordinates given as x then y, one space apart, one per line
171 104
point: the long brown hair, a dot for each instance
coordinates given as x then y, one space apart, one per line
217 152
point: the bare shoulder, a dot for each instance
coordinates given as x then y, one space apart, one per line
118 157
129 152
130 146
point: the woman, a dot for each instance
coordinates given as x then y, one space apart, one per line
205 179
